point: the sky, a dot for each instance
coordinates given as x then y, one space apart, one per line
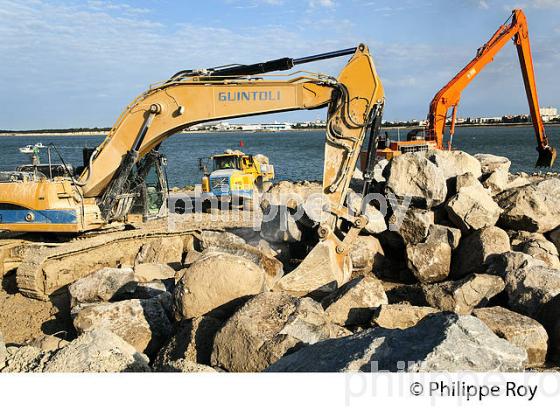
68 63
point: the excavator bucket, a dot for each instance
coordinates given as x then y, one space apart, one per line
322 271
547 156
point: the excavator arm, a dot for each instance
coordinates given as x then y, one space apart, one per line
449 96
354 99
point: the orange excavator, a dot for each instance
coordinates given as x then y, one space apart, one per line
449 96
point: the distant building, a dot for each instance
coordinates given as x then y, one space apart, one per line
548 113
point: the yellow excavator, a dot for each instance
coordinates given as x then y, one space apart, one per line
113 186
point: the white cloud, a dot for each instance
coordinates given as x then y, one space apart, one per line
321 3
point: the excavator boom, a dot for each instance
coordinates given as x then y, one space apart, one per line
449 96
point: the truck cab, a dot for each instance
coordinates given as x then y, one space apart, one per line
236 174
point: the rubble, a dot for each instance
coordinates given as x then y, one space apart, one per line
490 163
102 286
464 295
473 208
98 350
533 208
429 262
355 302
141 323
366 254
475 249
401 316
440 342
519 330
413 224
537 246
265 329
497 181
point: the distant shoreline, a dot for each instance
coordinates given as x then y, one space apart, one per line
70 133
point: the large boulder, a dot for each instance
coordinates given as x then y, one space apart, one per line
141 323
447 234
440 342
473 208
534 291
505 263
519 330
401 316
555 238
355 302
98 350
464 295
490 163
429 262
414 176
366 254
497 181
467 180
265 329
475 249
217 284
193 342
411 225
102 286
533 208
454 163
540 248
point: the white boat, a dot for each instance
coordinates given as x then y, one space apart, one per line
28 149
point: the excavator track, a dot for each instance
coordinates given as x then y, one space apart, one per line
44 270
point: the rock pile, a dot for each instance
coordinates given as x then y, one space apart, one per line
458 270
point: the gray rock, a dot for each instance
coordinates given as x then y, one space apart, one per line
442 233
401 316
99 351
413 224
265 329
149 272
464 295
467 180
162 250
533 291
141 323
497 181
25 359
48 343
532 208
505 263
475 249
540 248
193 342
151 290
454 163
438 343
355 302
473 208
429 262
414 176
102 286
490 163
366 254
519 330
217 284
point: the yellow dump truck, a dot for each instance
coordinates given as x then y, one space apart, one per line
236 174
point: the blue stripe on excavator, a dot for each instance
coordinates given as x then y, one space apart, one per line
49 216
